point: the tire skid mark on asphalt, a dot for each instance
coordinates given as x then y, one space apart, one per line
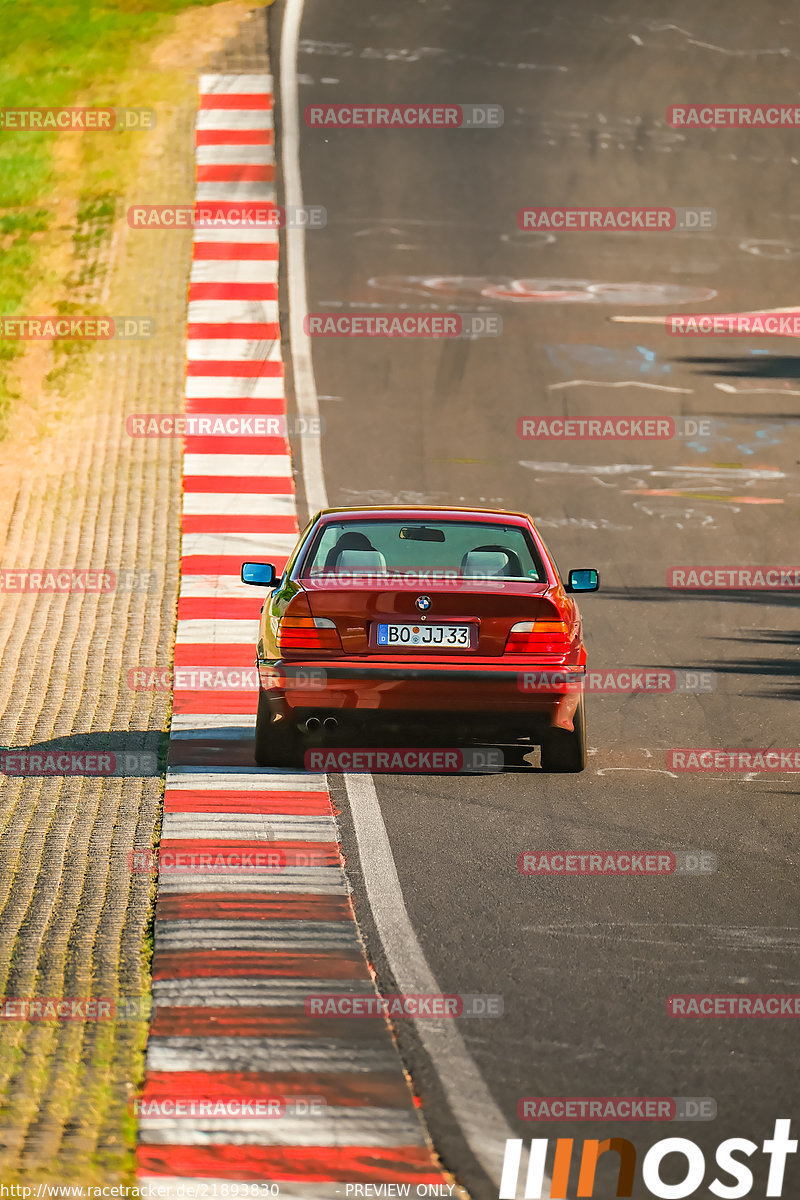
239 949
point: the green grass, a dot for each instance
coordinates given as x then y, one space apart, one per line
54 54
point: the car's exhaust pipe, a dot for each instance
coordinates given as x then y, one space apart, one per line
312 724
330 723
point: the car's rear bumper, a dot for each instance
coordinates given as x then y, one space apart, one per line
477 692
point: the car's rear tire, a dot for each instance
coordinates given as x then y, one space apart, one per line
278 743
563 751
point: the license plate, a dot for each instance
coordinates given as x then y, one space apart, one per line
435 637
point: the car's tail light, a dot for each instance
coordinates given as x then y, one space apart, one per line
538 637
308 633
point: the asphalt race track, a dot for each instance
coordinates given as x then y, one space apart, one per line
427 220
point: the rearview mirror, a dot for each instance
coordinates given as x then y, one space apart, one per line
584 580
422 533
259 574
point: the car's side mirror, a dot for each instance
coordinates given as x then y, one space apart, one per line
259 574
584 580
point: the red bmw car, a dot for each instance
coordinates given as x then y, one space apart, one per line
420 622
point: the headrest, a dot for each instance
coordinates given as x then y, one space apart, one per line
484 562
360 560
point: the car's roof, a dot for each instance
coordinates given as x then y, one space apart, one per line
418 512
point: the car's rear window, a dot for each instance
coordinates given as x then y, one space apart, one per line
473 549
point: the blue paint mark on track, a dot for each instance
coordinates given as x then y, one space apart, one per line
605 361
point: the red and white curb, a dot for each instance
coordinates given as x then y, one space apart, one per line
237 951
